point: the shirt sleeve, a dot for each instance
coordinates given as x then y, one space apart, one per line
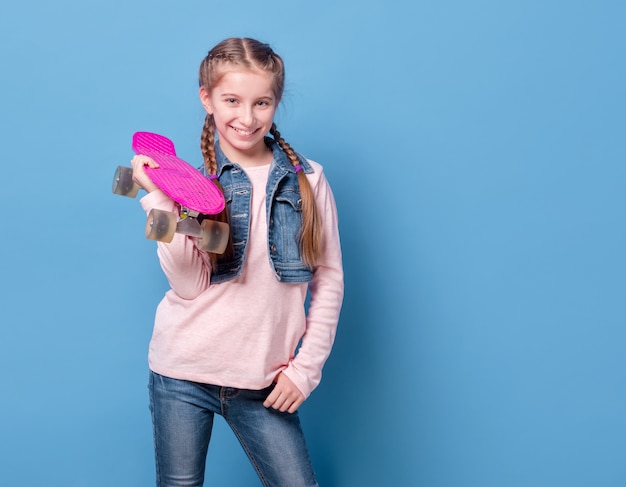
187 268
326 296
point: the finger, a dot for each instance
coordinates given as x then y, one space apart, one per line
281 403
294 407
271 399
140 161
291 402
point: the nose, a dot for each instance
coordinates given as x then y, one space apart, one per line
246 115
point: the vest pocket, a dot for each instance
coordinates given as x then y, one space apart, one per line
286 224
290 197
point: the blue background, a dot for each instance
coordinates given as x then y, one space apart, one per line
476 150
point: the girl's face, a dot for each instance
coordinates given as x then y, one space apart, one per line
243 106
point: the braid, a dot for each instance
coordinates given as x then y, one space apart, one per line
284 145
207 141
310 234
207 146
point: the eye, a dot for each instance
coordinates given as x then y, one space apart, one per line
263 103
231 101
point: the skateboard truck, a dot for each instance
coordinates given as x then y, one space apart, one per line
162 225
194 194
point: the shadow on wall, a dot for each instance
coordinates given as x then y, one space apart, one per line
338 417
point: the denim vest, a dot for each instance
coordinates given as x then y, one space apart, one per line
284 217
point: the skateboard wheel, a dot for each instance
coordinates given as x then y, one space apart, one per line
161 225
214 236
123 183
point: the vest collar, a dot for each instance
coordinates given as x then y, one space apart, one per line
280 159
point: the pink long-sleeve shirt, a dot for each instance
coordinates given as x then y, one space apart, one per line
243 332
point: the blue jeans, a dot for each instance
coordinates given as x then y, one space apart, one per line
182 418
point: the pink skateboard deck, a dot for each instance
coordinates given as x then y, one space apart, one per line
176 178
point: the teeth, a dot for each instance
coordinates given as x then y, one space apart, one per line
243 132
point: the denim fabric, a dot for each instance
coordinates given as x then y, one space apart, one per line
182 417
284 217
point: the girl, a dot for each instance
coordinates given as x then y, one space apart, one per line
226 333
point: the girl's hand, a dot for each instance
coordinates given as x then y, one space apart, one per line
285 396
139 175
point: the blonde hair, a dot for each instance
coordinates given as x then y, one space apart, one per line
252 54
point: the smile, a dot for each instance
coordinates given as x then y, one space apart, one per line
243 132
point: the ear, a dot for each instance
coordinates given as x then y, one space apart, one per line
205 99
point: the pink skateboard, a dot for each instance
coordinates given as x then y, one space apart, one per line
194 192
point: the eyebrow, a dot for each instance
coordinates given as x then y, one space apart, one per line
234 95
